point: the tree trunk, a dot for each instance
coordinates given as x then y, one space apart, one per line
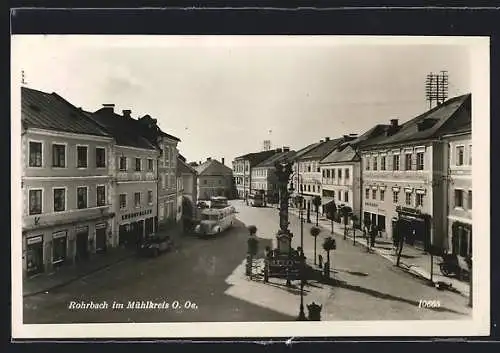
332 224
400 250
354 235
314 250
317 217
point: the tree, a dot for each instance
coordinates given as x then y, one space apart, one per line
331 211
252 248
329 244
400 237
315 232
317 202
354 223
344 212
367 224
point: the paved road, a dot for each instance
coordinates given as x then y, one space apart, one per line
210 273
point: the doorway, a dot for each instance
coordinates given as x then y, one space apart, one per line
34 255
82 241
100 238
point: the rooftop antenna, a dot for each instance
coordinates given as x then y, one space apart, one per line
436 87
267 143
23 79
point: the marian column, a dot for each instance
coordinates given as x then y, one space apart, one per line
283 236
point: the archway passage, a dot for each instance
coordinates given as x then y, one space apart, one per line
187 213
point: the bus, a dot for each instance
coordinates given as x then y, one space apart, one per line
219 202
257 200
215 220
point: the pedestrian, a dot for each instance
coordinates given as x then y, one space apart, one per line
373 236
320 261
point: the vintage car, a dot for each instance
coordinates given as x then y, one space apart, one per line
155 245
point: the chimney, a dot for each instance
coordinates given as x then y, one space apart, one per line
321 141
327 139
222 160
109 107
394 123
286 149
353 135
209 159
126 113
278 150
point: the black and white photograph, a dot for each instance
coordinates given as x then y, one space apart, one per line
219 186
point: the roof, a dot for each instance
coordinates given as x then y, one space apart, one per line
445 118
185 168
257 157
322 149
306 149
153 130
275 158
346 154
52 112
213 167
125 130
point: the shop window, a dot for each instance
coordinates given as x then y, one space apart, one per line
461 240
395 162
420 161
81 152
58 156
123 163
100 157
59 248
35 202
459 198
81 194
101 195
459 155
59 199
35 159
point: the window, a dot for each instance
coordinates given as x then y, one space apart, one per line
123 163
81 195
340 173
328 173
323 173
35 202
205 182
459 198
308 168
150 197
314 188
101 195
374 194
100 157
137 164
382 163
459 155
469 200
137 199
395 196
419 200
470 154
382 195
59 156
407 161
346 196
309 188
81 152
375 163
59 247
123 201
420 161
367 193
395 162
317 169
150 165
339 193
59 199
408 198
35 154
347 174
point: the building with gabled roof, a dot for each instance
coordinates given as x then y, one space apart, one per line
214 179
405 175
66 184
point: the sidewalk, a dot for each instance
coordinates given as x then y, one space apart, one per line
65 275
412 260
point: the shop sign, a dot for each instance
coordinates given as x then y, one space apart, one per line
136 214
100 225
371 204
59 234
408 210
82 229
34 240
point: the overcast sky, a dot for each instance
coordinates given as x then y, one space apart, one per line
223 96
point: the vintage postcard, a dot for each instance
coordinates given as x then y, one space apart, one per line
250 186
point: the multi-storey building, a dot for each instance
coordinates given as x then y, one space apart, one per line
340 171
135 177
169 185
310 171
190 188
404 175
66 184
214 179
242 171
460 191
263 174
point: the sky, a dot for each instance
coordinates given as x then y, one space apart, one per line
223 96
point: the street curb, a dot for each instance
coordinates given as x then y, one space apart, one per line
76 278
411 269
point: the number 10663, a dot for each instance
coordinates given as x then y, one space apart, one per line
429 303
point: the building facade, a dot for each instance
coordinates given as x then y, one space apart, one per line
242 171
460 193
404 175
214 179
66 184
